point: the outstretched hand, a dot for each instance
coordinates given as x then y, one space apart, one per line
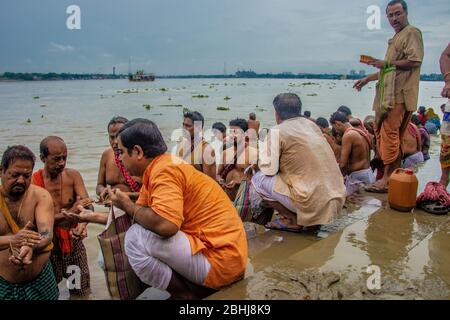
446 91
119 198
360 83
377 63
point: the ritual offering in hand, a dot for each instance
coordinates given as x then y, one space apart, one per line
366 59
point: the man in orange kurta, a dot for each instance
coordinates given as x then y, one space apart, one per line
188 237
405 52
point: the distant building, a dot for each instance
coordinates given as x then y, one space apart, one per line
114 71
362 73
353 73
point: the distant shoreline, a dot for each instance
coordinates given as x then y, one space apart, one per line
16 77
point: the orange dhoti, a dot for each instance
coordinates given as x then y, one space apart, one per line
389 134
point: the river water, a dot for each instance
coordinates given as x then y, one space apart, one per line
78 112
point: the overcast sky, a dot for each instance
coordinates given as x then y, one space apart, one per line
199 36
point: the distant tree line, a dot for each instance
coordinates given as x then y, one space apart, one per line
239 74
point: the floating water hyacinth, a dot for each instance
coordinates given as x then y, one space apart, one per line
163 89
28 120
186 110
36 97
171 105
147 106
200 96
223 109
227 98
312 95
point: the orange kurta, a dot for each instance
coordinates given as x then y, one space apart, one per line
200 208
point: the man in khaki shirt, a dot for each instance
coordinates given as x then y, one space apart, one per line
405 52
299 175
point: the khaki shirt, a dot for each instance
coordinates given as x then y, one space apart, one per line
405 45
306 170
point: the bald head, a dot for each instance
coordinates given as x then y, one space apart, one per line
50 142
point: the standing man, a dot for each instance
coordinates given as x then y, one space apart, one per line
253 126
67 188
188 238
445 144
193 148
397 89
26 231
355 153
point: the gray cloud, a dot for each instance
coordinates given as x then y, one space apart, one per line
198 36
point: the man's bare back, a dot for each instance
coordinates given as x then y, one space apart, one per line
355 152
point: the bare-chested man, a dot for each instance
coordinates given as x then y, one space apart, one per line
412 147
193 148
26 230
112 171
238 156
324 126
67 189
355 153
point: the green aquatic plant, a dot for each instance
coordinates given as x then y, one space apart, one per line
28 120
43 105
186 110
200 96
312 95
36 97
163 89
227 98
223 109
147 106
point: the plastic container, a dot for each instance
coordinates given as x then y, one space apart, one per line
402 193
445 126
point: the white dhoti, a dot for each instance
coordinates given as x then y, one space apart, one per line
153 257
264 187
413 161
358 179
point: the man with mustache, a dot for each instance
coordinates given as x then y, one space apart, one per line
67 189
397 89
26 231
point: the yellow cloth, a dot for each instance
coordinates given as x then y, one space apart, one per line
12 224
431 114
405 45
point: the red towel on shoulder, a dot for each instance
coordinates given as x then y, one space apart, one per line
63 235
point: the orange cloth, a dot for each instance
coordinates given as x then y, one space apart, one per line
200 208
389 136
12 223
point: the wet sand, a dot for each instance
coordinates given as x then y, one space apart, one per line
411 250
